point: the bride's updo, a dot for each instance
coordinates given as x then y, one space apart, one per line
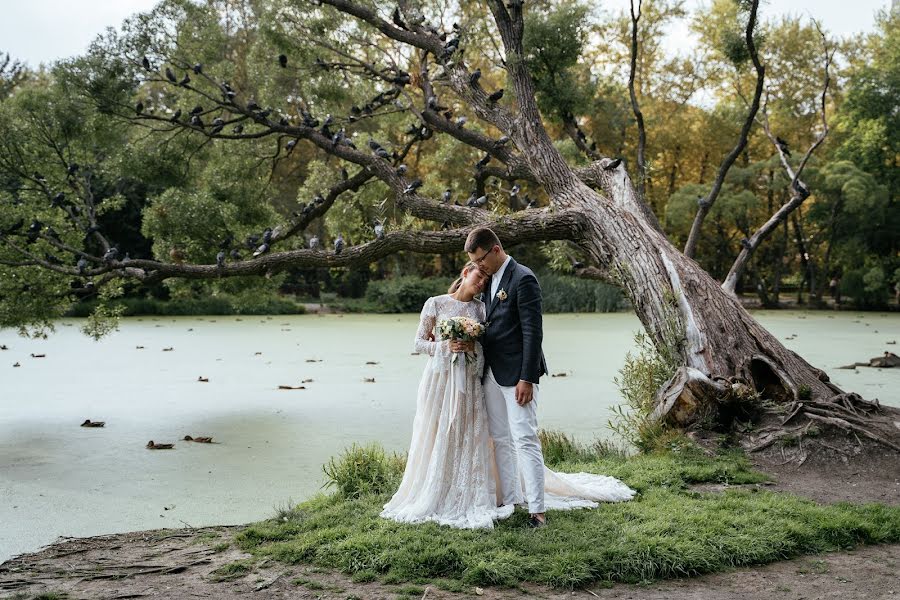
458 282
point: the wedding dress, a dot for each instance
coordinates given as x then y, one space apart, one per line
450 476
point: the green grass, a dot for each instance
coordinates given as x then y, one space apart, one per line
667 531
233 570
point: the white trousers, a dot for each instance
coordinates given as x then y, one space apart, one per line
514 431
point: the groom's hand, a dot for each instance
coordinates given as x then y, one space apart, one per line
524 392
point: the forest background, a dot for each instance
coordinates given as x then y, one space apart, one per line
178 196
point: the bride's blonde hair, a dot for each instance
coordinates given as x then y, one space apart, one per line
458 282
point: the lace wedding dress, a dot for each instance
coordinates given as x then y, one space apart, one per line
450 475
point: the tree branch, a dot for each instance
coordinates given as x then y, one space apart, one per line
705 204
799 190
638 115
527 226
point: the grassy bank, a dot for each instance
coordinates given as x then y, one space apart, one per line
667 531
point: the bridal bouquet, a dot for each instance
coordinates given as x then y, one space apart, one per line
462 329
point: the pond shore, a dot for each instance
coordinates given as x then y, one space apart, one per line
204 562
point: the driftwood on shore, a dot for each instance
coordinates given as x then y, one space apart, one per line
888 361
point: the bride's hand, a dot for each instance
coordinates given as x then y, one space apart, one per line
459 346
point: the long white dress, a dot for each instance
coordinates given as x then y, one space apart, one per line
450 475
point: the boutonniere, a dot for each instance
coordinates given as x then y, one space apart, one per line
501 295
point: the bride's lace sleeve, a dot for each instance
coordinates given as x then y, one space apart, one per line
427 321
480 315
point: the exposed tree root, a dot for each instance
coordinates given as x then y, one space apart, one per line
789 417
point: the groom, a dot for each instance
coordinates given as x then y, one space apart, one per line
514 364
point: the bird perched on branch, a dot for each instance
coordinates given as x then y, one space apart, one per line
282 60
314 242
185 80
198 68
461 121
228 92
139 107
176 115
111 255
448 194
196 121
397 19
434 105
34 231
401 170
339 244
220 259
449 48
474 77
477 202
612 165
145 62
262 249
81 265
495 97
483 162
413 186
379 230
783 145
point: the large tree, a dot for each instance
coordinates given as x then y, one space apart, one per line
430 80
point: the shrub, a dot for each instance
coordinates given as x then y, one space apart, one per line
565 293
210 305
559 447
638 380
364 470
404 294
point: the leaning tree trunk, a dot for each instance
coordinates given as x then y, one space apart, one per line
679 303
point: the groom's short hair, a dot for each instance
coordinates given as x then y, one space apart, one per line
481 238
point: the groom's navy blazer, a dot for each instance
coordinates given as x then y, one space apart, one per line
512 341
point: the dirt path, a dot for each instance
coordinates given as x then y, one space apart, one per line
189 563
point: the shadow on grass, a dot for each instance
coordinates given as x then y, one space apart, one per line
666 531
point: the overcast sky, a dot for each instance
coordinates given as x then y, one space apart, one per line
41 31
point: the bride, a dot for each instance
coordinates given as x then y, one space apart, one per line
450 476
